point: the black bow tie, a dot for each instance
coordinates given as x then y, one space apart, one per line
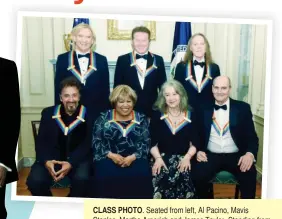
217 107
87 55
141 56
202 64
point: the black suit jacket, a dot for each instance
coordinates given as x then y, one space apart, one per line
95 93
195 98
47 142
11 117
126 73
241 126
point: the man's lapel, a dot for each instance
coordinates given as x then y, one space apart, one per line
208 114
133 70
233 114
149 60
76 63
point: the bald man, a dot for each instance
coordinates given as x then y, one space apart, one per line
229 141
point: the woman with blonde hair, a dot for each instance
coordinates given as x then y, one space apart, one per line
174 139
120 146
197 71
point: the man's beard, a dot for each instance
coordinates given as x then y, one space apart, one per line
71 108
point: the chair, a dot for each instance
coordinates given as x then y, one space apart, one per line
224 177
63 183
35 128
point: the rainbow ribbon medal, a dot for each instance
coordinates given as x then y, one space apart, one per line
125 131
149 70
185 121
91 68
190 78
220 131
67 129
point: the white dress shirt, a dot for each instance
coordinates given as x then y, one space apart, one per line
83 63
225 143
199 71
142 66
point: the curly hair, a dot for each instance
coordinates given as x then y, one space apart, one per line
160 103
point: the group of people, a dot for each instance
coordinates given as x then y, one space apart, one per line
151 137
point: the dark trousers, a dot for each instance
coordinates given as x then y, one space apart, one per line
113 181
39 180
3 212
203 172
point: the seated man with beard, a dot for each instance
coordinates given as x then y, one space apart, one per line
63 144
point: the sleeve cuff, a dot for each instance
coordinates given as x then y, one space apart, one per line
7 168
252 155
137 155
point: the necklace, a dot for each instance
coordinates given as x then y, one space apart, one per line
175 118
174 115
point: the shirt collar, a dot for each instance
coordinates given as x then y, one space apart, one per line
227 102
140 53
202 60
81 53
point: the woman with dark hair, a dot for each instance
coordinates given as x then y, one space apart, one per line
121 143
174 141
197 71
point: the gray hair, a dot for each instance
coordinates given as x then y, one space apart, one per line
160 103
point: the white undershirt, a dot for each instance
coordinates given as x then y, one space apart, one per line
83 63
142 64
225 143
